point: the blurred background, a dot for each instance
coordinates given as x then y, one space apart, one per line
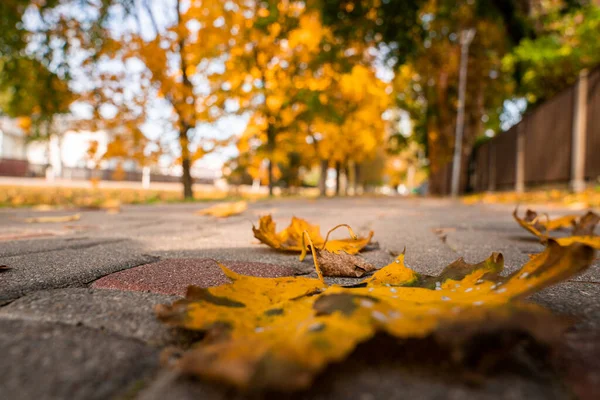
158 100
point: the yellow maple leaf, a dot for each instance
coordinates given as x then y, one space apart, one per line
291 238
278 333
225 210
582 227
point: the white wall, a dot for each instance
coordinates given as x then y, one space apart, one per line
12 139
71 149
11 145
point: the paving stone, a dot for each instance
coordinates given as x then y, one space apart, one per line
53 361
376 373
244 253
14 234
101 244
175 275
67 267
24 247
579 361
125 313
576 299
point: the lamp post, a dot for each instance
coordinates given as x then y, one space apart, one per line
466 37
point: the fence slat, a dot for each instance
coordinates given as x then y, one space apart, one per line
506 159
592 164
548 140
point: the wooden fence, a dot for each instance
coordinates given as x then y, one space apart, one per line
556 143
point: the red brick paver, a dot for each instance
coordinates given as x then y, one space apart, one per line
175 275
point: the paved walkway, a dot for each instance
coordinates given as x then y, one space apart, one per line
76 303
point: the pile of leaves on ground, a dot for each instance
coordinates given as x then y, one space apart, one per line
280 333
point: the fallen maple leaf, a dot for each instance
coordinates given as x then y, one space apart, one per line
61 218
278 333
291 238
112 206
225 210
43 207
582 227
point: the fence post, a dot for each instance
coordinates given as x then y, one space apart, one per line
492 168
520 167
146 177
578 135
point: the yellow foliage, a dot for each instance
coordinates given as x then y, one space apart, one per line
24 123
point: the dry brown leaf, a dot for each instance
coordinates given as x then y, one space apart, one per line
342 264
278 333
60 218
225 210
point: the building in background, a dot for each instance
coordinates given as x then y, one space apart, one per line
65 156
13 149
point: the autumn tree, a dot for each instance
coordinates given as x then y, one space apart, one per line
565 42
429 84
34 82
424 50
46 49
270 73
295 81
355 129
553 42
158 67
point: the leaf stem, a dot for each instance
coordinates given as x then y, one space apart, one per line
352 234
314 254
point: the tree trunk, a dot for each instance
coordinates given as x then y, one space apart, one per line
270 176
270 148
186 179
338 170
186 165
356 178
323 178
346 179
